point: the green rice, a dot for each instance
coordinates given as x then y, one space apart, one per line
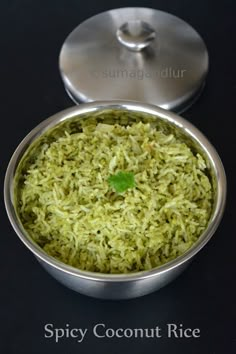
67 206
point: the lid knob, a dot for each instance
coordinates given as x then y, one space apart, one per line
135 35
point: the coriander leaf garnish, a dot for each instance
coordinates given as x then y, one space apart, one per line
122 181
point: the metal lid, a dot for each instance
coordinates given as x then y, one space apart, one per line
136 54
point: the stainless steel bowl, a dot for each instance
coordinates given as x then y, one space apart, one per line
121 286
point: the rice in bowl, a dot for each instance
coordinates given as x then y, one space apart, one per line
67 204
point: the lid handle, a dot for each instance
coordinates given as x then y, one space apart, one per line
135 35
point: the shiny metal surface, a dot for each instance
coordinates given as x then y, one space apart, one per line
135 35
131 285
115 290
169 72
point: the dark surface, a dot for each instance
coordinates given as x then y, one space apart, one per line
32 33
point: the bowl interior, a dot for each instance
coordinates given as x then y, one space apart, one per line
70 120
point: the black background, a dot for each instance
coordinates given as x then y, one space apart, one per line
31 34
